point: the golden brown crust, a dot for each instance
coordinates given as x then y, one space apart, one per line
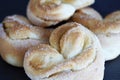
114 16
86 17
50 12
41 58
78 50
46 13
11 51
107 29
45 8
57 34
16 36
18 27
85 74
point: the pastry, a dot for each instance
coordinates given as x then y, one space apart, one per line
48 12
74 53
45 13
107 29
79 3
16 36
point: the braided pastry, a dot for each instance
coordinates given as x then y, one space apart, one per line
74 53
45 13
107 29
16 36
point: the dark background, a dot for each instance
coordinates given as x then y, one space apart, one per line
9 7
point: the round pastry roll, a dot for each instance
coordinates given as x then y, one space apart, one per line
16 36
45 13
107 29
74 53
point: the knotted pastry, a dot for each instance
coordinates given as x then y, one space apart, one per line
16 36
74 53
45 13
107 29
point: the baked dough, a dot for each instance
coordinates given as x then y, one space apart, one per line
45 13
107 29
77 4
78 56
16 36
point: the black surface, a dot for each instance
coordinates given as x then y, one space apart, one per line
9 7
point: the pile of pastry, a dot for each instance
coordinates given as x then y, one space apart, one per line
75 49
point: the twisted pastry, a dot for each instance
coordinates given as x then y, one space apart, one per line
74 53
16 36
45 13
107 29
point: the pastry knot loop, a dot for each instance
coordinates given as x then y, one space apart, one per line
72 47
46 13
18 27
107 29
17 35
